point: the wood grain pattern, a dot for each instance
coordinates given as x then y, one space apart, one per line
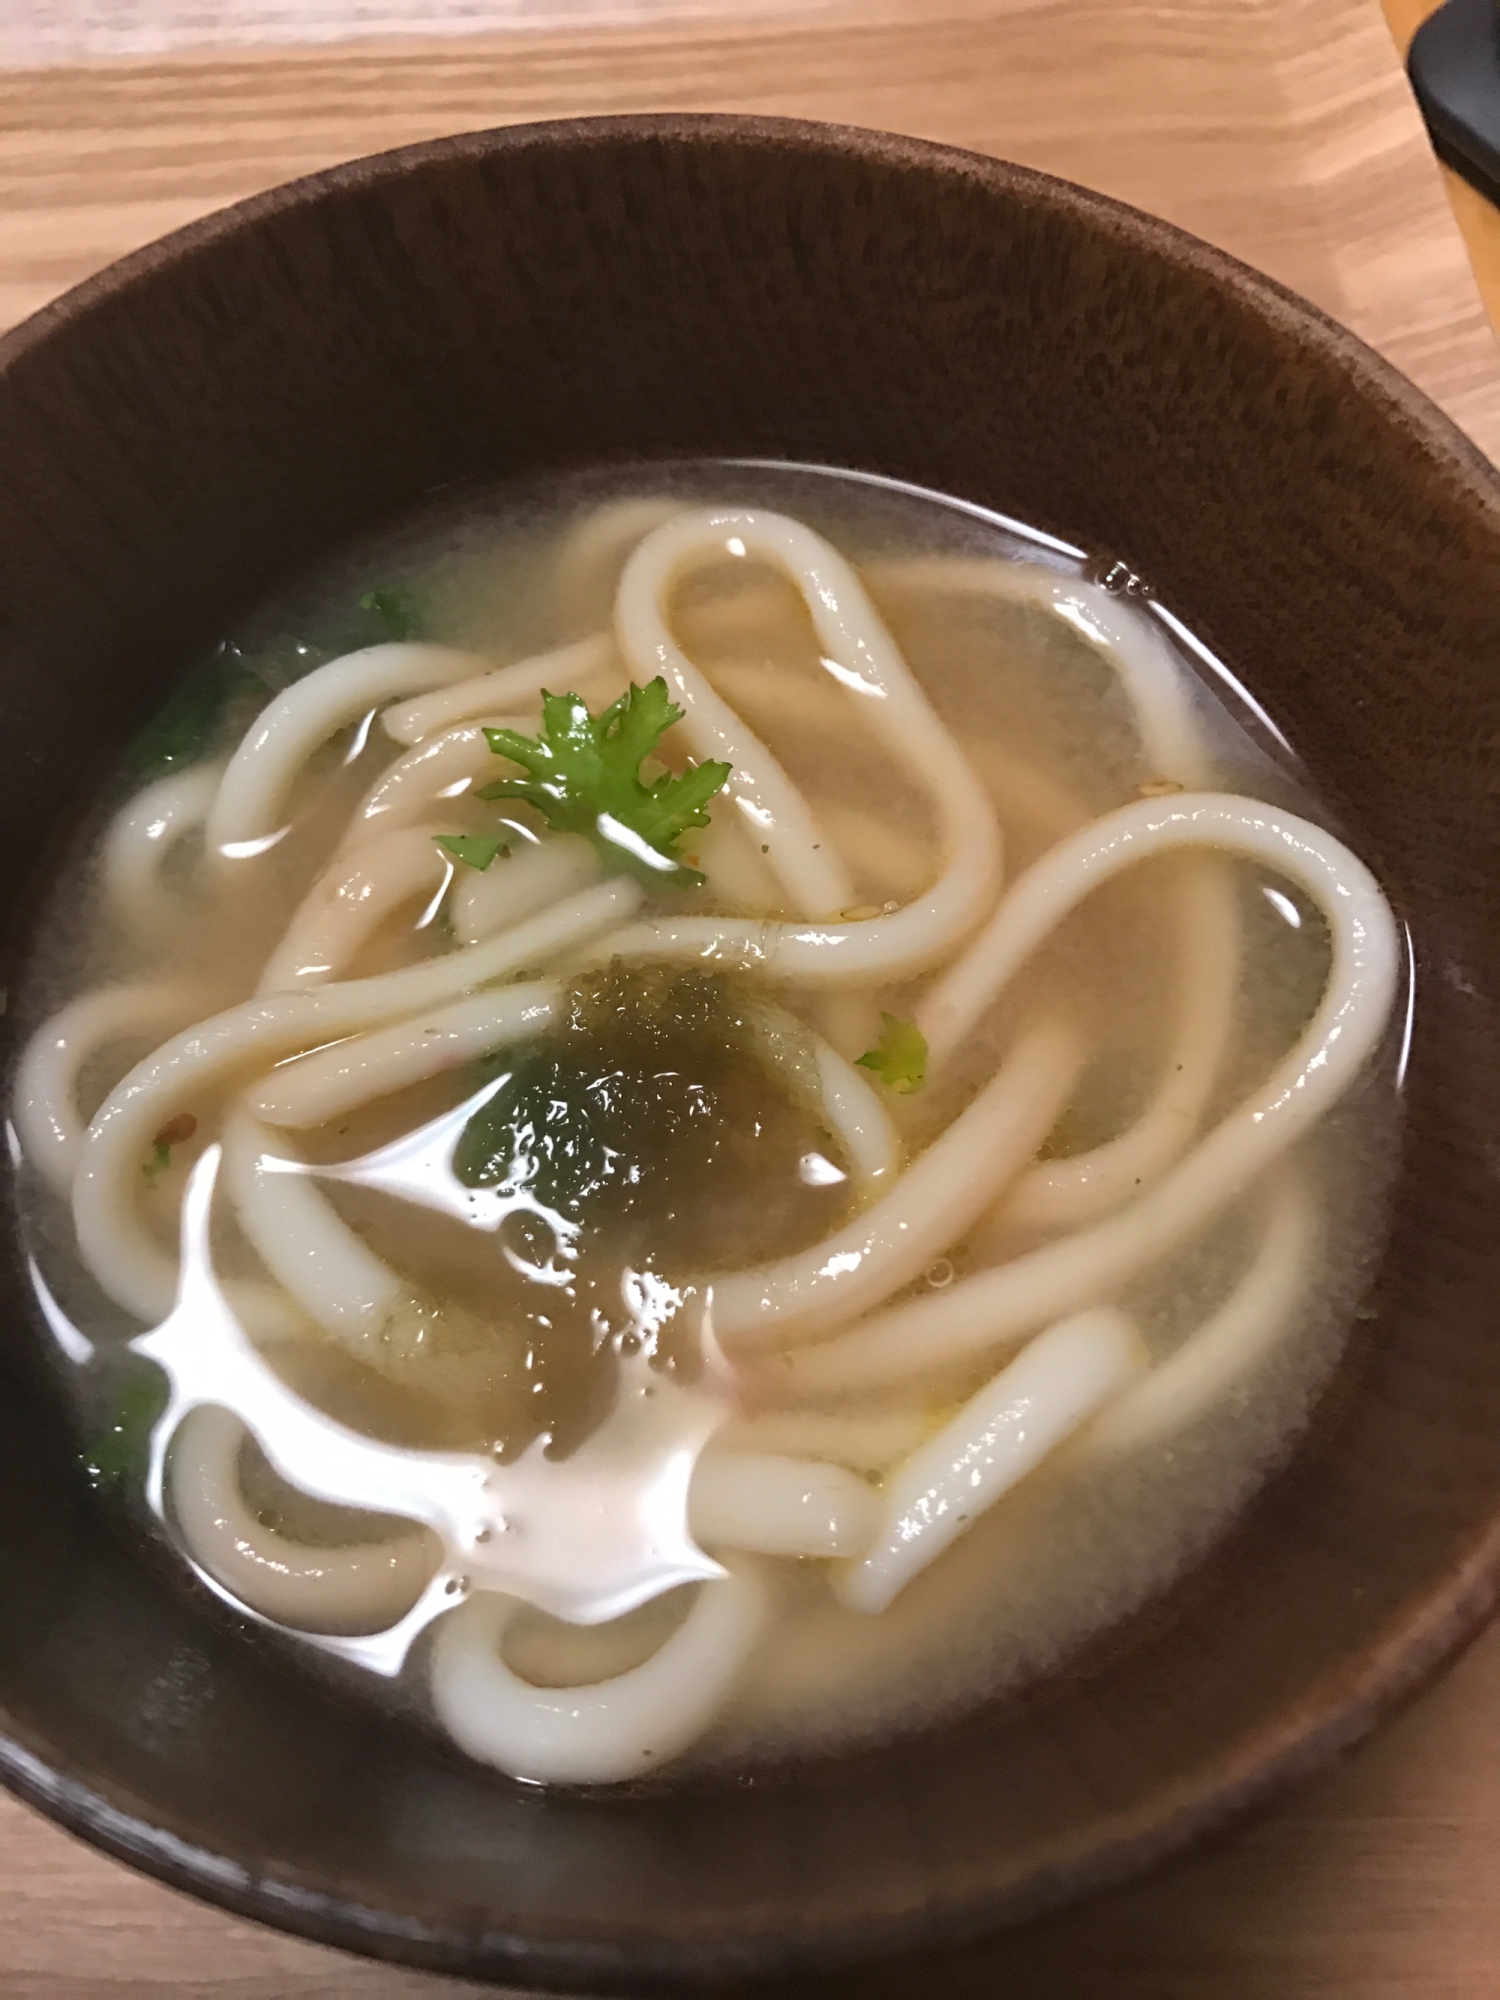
1279 128
1376 1884
33 32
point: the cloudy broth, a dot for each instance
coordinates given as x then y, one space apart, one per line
784 1254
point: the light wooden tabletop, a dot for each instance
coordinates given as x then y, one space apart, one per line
1281 129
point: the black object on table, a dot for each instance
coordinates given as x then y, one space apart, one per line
1454 65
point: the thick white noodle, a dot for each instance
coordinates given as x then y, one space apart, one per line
868 845
312 1089
867 842
865 1440
784 697
734 869
1035 809
874 950
1073 1190
1030 804
803 860
996 1307
1231 1342
1137 653
423 782
1038 900
112 1240
140 838
610 1730
897 863
285 734
952 1183
851 1020
1129 643
771 1504
332 1275
350 900
862 1124
863 658
586 569
358 1587
569 669
516 885
737 619
316 1258
45 1099
999 1435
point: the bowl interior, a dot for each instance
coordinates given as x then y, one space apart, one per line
247 395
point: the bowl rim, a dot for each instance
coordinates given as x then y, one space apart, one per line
1333 1715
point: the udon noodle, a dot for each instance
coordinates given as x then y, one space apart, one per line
773 1255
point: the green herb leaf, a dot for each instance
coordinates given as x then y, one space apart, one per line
395 610
121 1453
220 697
216 702
181 730
900 1058
159 1159
216 699
584 777
474 850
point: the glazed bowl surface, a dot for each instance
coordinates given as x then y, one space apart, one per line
233 402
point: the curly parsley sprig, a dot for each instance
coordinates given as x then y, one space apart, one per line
584 776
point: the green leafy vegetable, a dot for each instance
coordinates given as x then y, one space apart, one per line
158 1160
221 696
217 700
900 1057
178 733
121 1453
585 777
395 610
474 850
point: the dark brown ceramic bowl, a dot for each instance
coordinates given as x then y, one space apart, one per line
222 407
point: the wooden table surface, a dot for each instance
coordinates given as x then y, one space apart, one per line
1282 129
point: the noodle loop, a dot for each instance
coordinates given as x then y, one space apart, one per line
627 1199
